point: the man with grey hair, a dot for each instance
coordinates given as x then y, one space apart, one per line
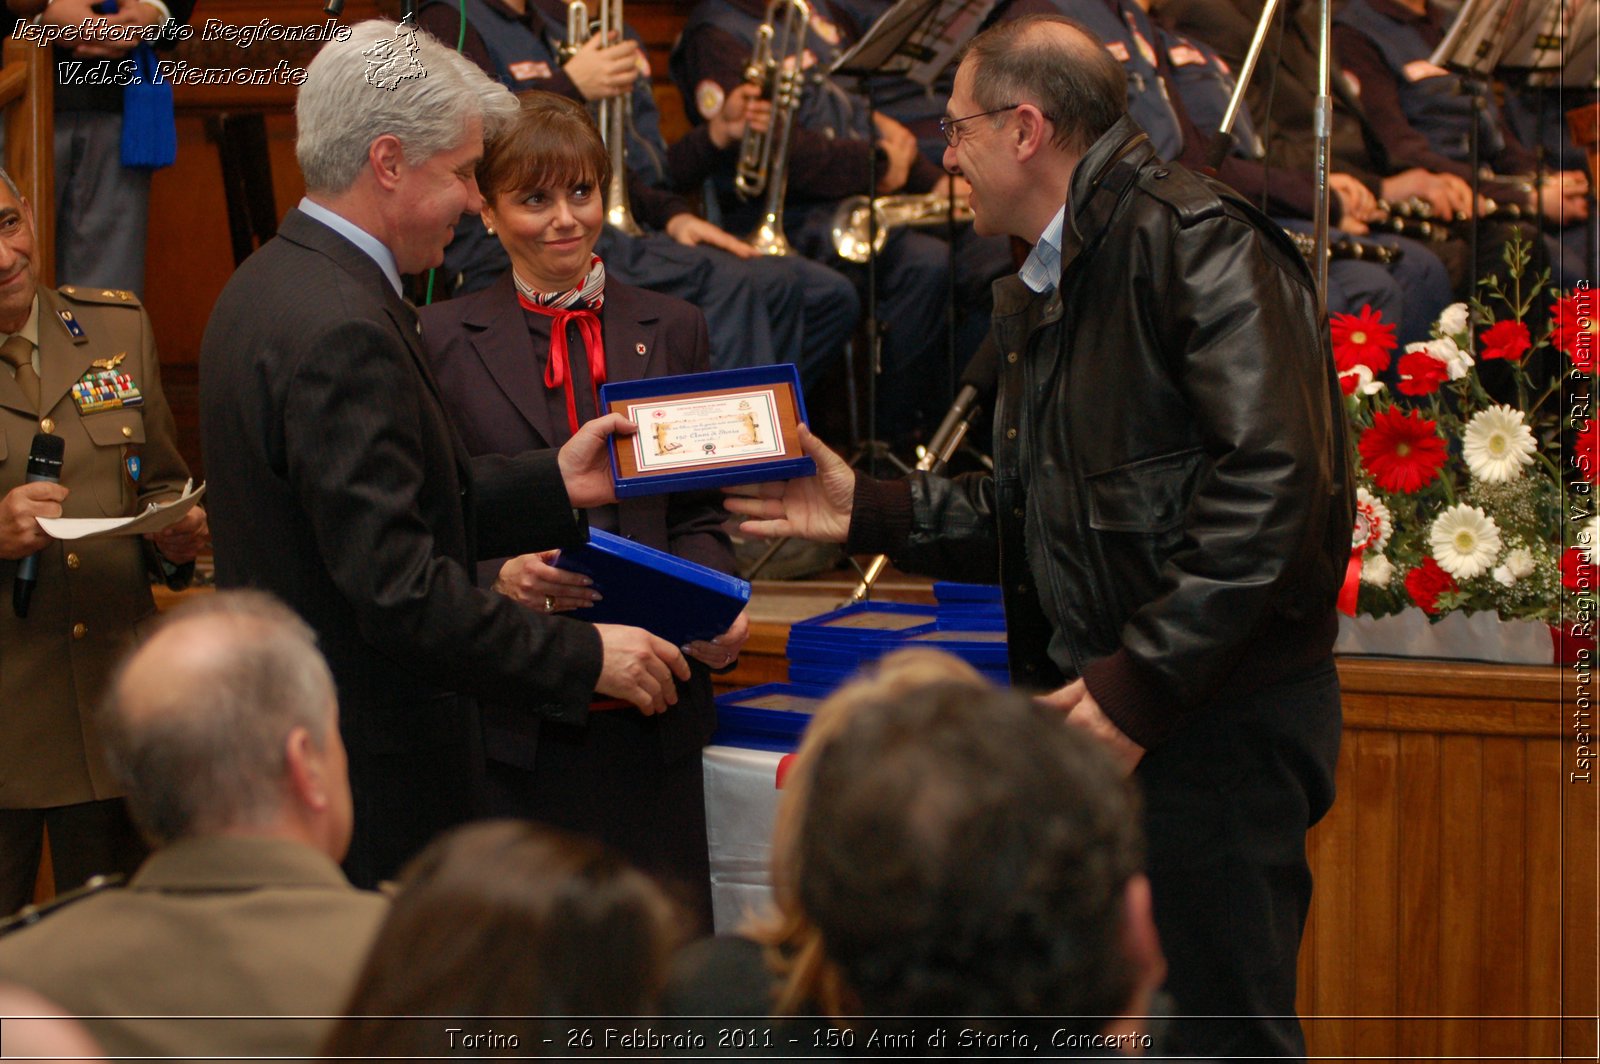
338 481
224 729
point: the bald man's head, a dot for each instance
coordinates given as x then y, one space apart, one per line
1056 64
200 718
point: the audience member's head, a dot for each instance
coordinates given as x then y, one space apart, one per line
506 919
809 981
225 722
967 854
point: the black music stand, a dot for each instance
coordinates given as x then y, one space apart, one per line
916 39
1510 39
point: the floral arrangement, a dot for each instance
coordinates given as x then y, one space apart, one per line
1460 500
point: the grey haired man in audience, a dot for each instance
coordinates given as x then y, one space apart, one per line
224 729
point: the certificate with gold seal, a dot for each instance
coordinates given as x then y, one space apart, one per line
707 429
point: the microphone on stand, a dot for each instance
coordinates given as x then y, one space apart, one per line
978 383
44 463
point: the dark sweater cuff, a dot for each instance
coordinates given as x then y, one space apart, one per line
880 516
1132 701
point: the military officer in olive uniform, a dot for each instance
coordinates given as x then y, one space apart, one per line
80 364
224 728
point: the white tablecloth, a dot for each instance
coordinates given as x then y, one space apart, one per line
741 808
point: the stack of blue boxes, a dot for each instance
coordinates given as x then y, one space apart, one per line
826 650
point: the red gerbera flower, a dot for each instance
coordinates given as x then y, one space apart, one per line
1403 452
1504 339
1578 573
1576 329
1586 451
1361 338
1421 373
1427 582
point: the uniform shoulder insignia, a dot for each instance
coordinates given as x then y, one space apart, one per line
112 296
33 914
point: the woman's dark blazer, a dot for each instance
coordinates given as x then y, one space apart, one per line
494 389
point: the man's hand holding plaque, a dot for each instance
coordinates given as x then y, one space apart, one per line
815 508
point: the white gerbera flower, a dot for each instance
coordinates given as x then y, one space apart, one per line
1377 570
1453 322
1446 350
1465 541
1374 523
1497 444
1517 566
1365 385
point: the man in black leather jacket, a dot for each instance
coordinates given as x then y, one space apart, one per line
1170 509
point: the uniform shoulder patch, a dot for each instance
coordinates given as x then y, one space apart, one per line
107 296
708 99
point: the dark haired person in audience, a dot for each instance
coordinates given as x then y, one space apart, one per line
776 964
506 926
1169 513
965 855
224 729
518 366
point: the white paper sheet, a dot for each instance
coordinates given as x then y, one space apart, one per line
155 517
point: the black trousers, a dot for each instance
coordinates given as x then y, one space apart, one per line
89 839
1228 801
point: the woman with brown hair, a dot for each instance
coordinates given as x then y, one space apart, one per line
497 924
519 365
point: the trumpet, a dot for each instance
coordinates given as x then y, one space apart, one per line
615 113
764 157
852 225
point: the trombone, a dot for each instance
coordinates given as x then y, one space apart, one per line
615 113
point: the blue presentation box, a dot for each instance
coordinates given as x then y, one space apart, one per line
771 716
676 599
705 430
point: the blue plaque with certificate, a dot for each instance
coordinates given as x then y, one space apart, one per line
704 430
668 596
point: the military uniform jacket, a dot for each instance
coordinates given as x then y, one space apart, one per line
267 929
92 596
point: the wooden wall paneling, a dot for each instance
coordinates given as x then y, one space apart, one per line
1461 891
1503 928
1581 918
1541 834
1332 845
1417 891
1373 805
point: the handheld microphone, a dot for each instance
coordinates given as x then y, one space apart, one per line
44 463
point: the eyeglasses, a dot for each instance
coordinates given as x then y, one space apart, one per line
951 127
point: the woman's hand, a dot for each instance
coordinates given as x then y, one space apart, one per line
724 650
532 580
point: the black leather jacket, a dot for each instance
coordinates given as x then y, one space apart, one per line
1170 510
